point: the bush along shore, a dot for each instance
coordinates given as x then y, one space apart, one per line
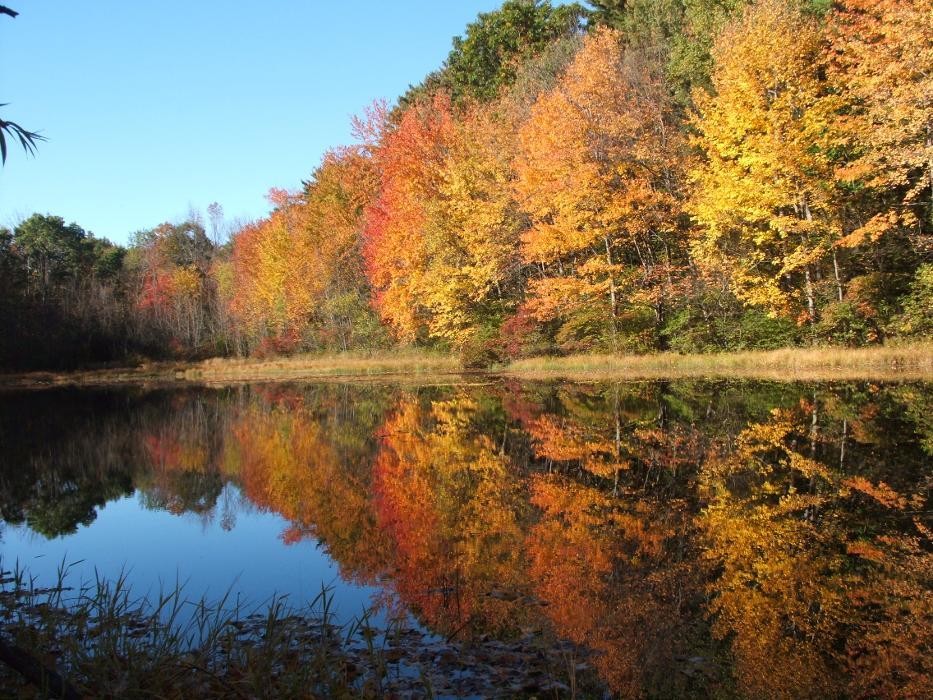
98 640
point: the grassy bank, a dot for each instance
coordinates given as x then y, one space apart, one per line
97 640
906 362
358 365
900 362
381 364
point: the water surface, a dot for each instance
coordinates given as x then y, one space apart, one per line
740 539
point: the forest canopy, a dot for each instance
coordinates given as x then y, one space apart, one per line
621 176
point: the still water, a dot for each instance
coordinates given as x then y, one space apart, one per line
735 539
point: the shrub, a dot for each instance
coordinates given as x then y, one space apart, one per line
917 316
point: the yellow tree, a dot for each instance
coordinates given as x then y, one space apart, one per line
269 268
598 173
295 269
475 228
881 52
331 225
763 200
441 238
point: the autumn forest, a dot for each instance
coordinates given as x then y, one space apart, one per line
623 177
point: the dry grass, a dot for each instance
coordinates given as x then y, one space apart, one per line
315 366
894 362
899 362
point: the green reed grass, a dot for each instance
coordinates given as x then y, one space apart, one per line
107 643
101 641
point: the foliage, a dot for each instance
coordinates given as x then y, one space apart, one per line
27 139
597 172
60 296
763 197
174 290
880 53
298 279
399 239
917 318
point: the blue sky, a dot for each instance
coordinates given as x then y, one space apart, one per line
151 108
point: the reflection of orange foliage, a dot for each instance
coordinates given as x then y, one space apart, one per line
571 552
446 497
287 462
674 448
517 405
169 453
893 609
564 441
606 571
880 492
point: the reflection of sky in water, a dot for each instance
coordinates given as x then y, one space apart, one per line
156 548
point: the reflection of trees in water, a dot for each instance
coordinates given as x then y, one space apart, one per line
446 494
182 454
614 551
815 522
733 539
307 454
63 454
76 450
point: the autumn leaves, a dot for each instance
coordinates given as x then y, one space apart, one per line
805 164
583 207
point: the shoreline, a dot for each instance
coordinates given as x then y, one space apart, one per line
895 363
909 362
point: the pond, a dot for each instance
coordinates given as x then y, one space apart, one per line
739 539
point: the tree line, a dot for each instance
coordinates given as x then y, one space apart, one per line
628 176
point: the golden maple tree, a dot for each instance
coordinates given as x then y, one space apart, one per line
598 172
763 197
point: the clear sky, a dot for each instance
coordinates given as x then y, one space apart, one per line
151 108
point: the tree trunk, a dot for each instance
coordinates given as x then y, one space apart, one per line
807 276
836 274
612 296
808 288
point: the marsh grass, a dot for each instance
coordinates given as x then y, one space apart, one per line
399 362
913 361
107 643
897 362
101 641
